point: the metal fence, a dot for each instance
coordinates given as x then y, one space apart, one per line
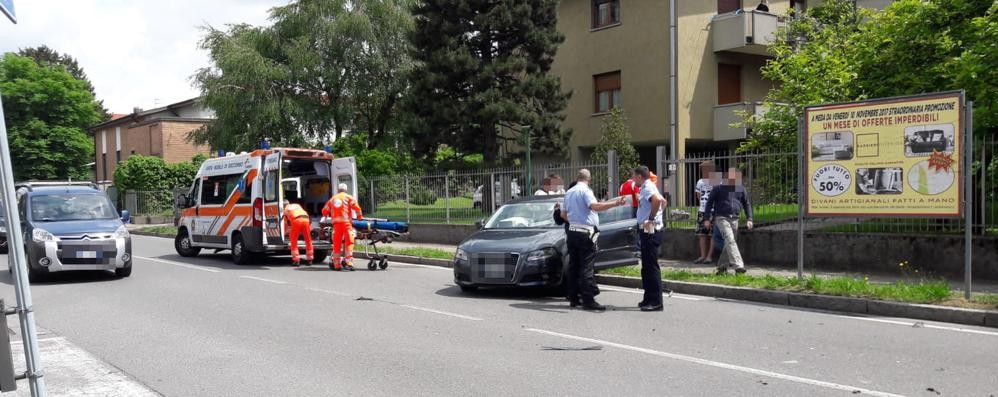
156 203
770 179
462 197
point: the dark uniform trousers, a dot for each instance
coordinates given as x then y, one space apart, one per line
581 281
651 273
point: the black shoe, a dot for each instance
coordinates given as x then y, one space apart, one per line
721 271
574 303
348 267
652 308
640 304
740 270
295 264
595 307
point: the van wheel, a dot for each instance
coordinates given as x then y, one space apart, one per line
240 255
184 246
34 276
319 256
123 272
468 288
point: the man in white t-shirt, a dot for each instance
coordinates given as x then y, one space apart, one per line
703 189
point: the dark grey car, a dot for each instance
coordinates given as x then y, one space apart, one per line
520 245
72 227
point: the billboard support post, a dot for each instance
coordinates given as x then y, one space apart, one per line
968 214
800 198
16 258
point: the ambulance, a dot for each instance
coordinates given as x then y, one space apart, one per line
235 201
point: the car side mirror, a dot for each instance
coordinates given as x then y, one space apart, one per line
480 224
182 201
126 217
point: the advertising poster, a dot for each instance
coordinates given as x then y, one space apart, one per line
888 157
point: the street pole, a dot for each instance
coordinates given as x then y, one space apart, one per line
801 186
22 290
968 206
530 166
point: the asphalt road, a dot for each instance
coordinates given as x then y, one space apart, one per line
205 327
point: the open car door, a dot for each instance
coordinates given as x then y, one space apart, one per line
273 196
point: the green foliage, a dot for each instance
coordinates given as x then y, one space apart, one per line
481 64
323 67
617 136
149 173
838 54
46 111
47 57
421 195
373 162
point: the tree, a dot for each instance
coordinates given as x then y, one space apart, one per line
46 110
616 136
325 67
836 53
46 56
481 64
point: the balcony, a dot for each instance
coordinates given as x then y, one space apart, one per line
746 32
728 114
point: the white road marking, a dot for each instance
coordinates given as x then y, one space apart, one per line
638 291
716 364
442 312
204 269
266 280
924 325
326 291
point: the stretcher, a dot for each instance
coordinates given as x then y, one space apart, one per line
370 233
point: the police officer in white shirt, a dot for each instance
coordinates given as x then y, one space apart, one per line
650 204
581 206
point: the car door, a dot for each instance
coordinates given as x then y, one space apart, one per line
617 239
273 197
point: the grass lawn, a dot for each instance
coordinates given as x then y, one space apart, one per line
763 214
931 292
419 252
159 229
461 211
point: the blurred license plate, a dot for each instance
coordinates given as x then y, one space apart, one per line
86 254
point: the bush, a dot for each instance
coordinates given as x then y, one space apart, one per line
421 195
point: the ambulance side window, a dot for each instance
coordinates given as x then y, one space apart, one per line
270 186
214 190
192 196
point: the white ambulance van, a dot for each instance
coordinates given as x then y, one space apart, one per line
235 201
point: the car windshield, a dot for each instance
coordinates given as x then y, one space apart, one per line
82 207
523 216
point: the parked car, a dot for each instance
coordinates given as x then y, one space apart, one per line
520 245
72 226
476 198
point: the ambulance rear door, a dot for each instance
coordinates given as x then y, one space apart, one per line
273 196
344 170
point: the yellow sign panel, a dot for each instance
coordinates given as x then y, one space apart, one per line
887 157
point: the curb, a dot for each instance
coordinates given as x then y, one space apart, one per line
411 259
163 235
986 318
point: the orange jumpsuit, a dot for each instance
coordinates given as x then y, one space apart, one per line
297 221
342 209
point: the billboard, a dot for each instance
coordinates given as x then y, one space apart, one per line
895 157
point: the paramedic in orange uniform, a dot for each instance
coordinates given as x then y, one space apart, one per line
342 209
297 221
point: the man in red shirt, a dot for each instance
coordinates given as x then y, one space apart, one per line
630 188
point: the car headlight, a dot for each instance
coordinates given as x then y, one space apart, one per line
461 255
541 255
42 235
122 232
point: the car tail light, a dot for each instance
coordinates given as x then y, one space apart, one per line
258 212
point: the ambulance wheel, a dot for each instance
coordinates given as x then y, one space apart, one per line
320 255
184 246
383 264
240 255
372 265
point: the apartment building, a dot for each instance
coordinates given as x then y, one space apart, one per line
160 132
616 53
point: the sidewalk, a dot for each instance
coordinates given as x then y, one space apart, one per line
989 286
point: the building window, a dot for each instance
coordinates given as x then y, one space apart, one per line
605 13
117 157
607 91
729 83
103 159
726 6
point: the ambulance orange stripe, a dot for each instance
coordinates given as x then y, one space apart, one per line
243 210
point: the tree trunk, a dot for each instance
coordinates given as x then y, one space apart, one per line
491 143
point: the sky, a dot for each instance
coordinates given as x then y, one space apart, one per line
138 53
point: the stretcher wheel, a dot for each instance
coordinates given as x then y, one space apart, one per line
372 265
383 264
